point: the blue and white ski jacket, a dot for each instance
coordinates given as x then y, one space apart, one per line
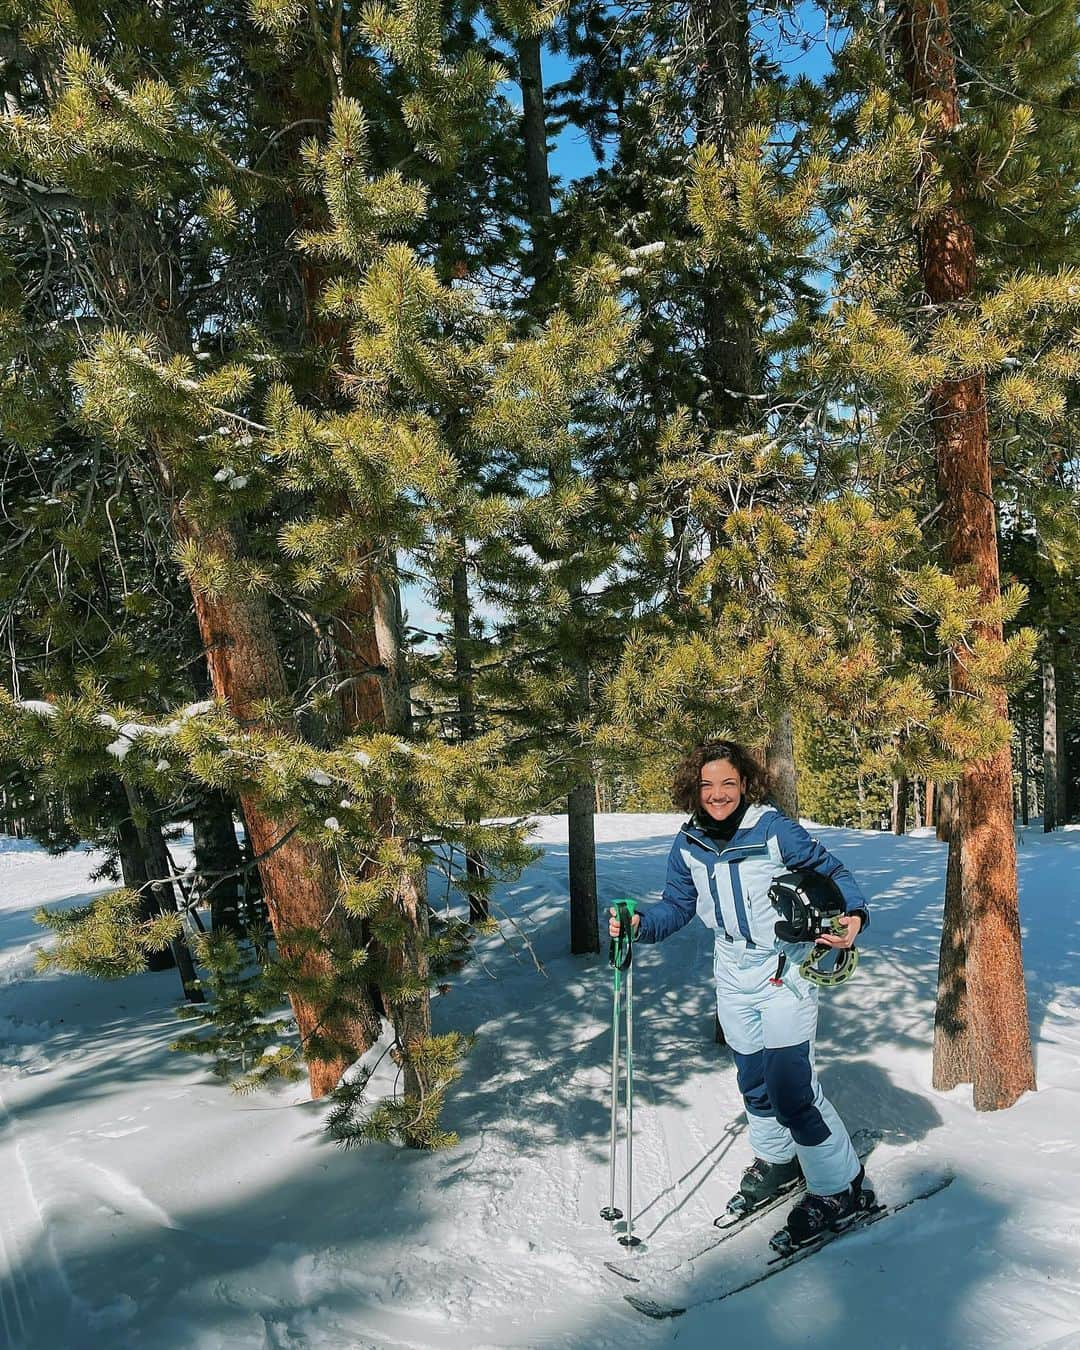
726 883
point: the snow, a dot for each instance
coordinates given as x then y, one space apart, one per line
141 1206
126 734
38 706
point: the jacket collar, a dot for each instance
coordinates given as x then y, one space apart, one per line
693 831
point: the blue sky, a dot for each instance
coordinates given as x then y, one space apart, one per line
571 155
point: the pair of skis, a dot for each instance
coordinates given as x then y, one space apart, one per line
660 1274
753 1261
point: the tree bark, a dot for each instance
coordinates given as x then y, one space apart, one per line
412 1016
159 882
393 664
216 854
718 39
1050 747
946 812
466 697
1063 811
537 177
581 801
998 1018
584 928
359 663
899 804
299 880
780 764
952 1059
1025 789
136 878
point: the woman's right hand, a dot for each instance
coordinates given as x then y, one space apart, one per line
613 923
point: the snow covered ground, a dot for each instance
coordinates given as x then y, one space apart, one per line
143 1205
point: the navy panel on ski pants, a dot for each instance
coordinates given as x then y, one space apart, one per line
771 1029
780 1083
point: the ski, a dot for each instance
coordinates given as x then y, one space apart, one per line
670 1257
771 1264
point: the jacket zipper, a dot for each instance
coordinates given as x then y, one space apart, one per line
747 850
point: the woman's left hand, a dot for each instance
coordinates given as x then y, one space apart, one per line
852 925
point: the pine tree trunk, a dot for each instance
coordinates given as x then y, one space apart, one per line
412 1016
1063 813
216 854
159 879
390 641
383 702
931 802
998 1019
860 779
581 801
359 663
581 830
252 903
946 812
899 804
718 40
1050 747
466 695
584 928
780 764
136 878
299 880
1025 790
952 1058
534 135
916 804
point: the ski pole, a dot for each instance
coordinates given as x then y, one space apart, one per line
620 958
610 1212
619 955
627 1237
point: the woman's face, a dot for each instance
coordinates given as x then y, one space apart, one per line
722 787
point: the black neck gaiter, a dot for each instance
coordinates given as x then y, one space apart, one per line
720 829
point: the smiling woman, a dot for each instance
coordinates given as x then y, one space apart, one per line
722 866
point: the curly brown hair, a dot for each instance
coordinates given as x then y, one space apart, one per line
686 784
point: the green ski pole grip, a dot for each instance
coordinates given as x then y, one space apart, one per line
621 950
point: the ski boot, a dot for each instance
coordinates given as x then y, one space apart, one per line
813 1215
762 1183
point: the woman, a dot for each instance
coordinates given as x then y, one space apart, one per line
721 866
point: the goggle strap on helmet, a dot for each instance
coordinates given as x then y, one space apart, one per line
847 960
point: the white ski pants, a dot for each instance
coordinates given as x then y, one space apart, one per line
771 1030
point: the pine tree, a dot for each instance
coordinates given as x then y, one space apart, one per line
945 360
336 428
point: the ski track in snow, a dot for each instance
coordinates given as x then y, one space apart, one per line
32 1285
